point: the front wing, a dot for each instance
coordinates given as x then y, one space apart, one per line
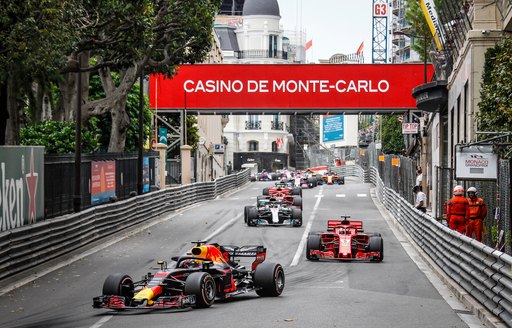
330 255
114 302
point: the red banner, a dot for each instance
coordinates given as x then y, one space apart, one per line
288 87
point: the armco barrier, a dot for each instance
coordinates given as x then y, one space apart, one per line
29 246
485 273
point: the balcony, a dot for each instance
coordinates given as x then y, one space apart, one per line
261 53
277 126
253 125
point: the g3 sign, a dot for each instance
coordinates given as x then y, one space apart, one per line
380 9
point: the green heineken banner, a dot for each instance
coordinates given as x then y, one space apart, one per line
21 186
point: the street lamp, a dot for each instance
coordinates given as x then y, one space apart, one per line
424 38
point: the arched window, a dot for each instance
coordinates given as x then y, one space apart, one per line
252 145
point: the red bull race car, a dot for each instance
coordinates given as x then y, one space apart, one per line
207 272
345 240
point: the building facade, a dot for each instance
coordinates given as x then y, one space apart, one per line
254 36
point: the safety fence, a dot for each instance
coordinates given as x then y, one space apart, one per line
484 272
29 246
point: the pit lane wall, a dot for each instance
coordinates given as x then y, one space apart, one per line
483 272
31 245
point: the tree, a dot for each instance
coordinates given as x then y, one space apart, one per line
392 138
130 38
418 27
34 35
496 104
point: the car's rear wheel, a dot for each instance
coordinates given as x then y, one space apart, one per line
252 216
297 191
314 244
297 201
265 192
119 284
376 244
246 213
202 286
297 217
269 279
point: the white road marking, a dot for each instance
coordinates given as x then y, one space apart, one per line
300 249
362 195
340 195
102 321
222 227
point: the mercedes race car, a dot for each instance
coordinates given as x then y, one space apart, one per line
207 272
272 212
331 178
345 240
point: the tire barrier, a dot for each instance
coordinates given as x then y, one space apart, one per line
483 272
26 247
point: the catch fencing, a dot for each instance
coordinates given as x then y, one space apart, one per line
399 173
29 246
484 272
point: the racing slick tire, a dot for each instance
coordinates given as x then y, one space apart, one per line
341 181
253 179
314 244
252 215
202 286
269 278
297 191
311 182
376 244
246 213
265 192
297 201
119 284
297 217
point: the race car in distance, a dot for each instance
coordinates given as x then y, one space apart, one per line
207 272
285 187
331 178
272 211
265 176
306 180
345 240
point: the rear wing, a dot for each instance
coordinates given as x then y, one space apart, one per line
234 252
331 224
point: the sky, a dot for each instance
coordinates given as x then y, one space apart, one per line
334 26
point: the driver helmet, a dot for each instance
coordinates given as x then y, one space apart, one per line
472 189
190 263
458 191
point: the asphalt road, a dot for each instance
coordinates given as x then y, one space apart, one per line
394 293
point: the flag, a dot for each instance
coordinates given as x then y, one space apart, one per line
279 142
309 44
360 49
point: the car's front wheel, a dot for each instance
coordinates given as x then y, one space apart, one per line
119 284
202 286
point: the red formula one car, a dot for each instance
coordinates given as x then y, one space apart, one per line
345 240
195 280
291 196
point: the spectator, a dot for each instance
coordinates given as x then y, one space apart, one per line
477 214
421 199
419 176
458 210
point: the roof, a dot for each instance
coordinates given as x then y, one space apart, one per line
261 7
227 38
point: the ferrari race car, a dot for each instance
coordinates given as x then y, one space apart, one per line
207 272
272 212
331 178
345 240
284 187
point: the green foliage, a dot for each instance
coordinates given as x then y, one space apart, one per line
496 104
418 27
392 138
57 137
103 123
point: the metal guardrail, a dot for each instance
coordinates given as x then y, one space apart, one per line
29 246
485 273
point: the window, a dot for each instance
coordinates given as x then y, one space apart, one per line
253 145
272 46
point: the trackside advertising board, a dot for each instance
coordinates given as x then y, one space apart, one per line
319 88
21 186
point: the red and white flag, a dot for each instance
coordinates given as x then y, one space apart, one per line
279 142
360 49
309 44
